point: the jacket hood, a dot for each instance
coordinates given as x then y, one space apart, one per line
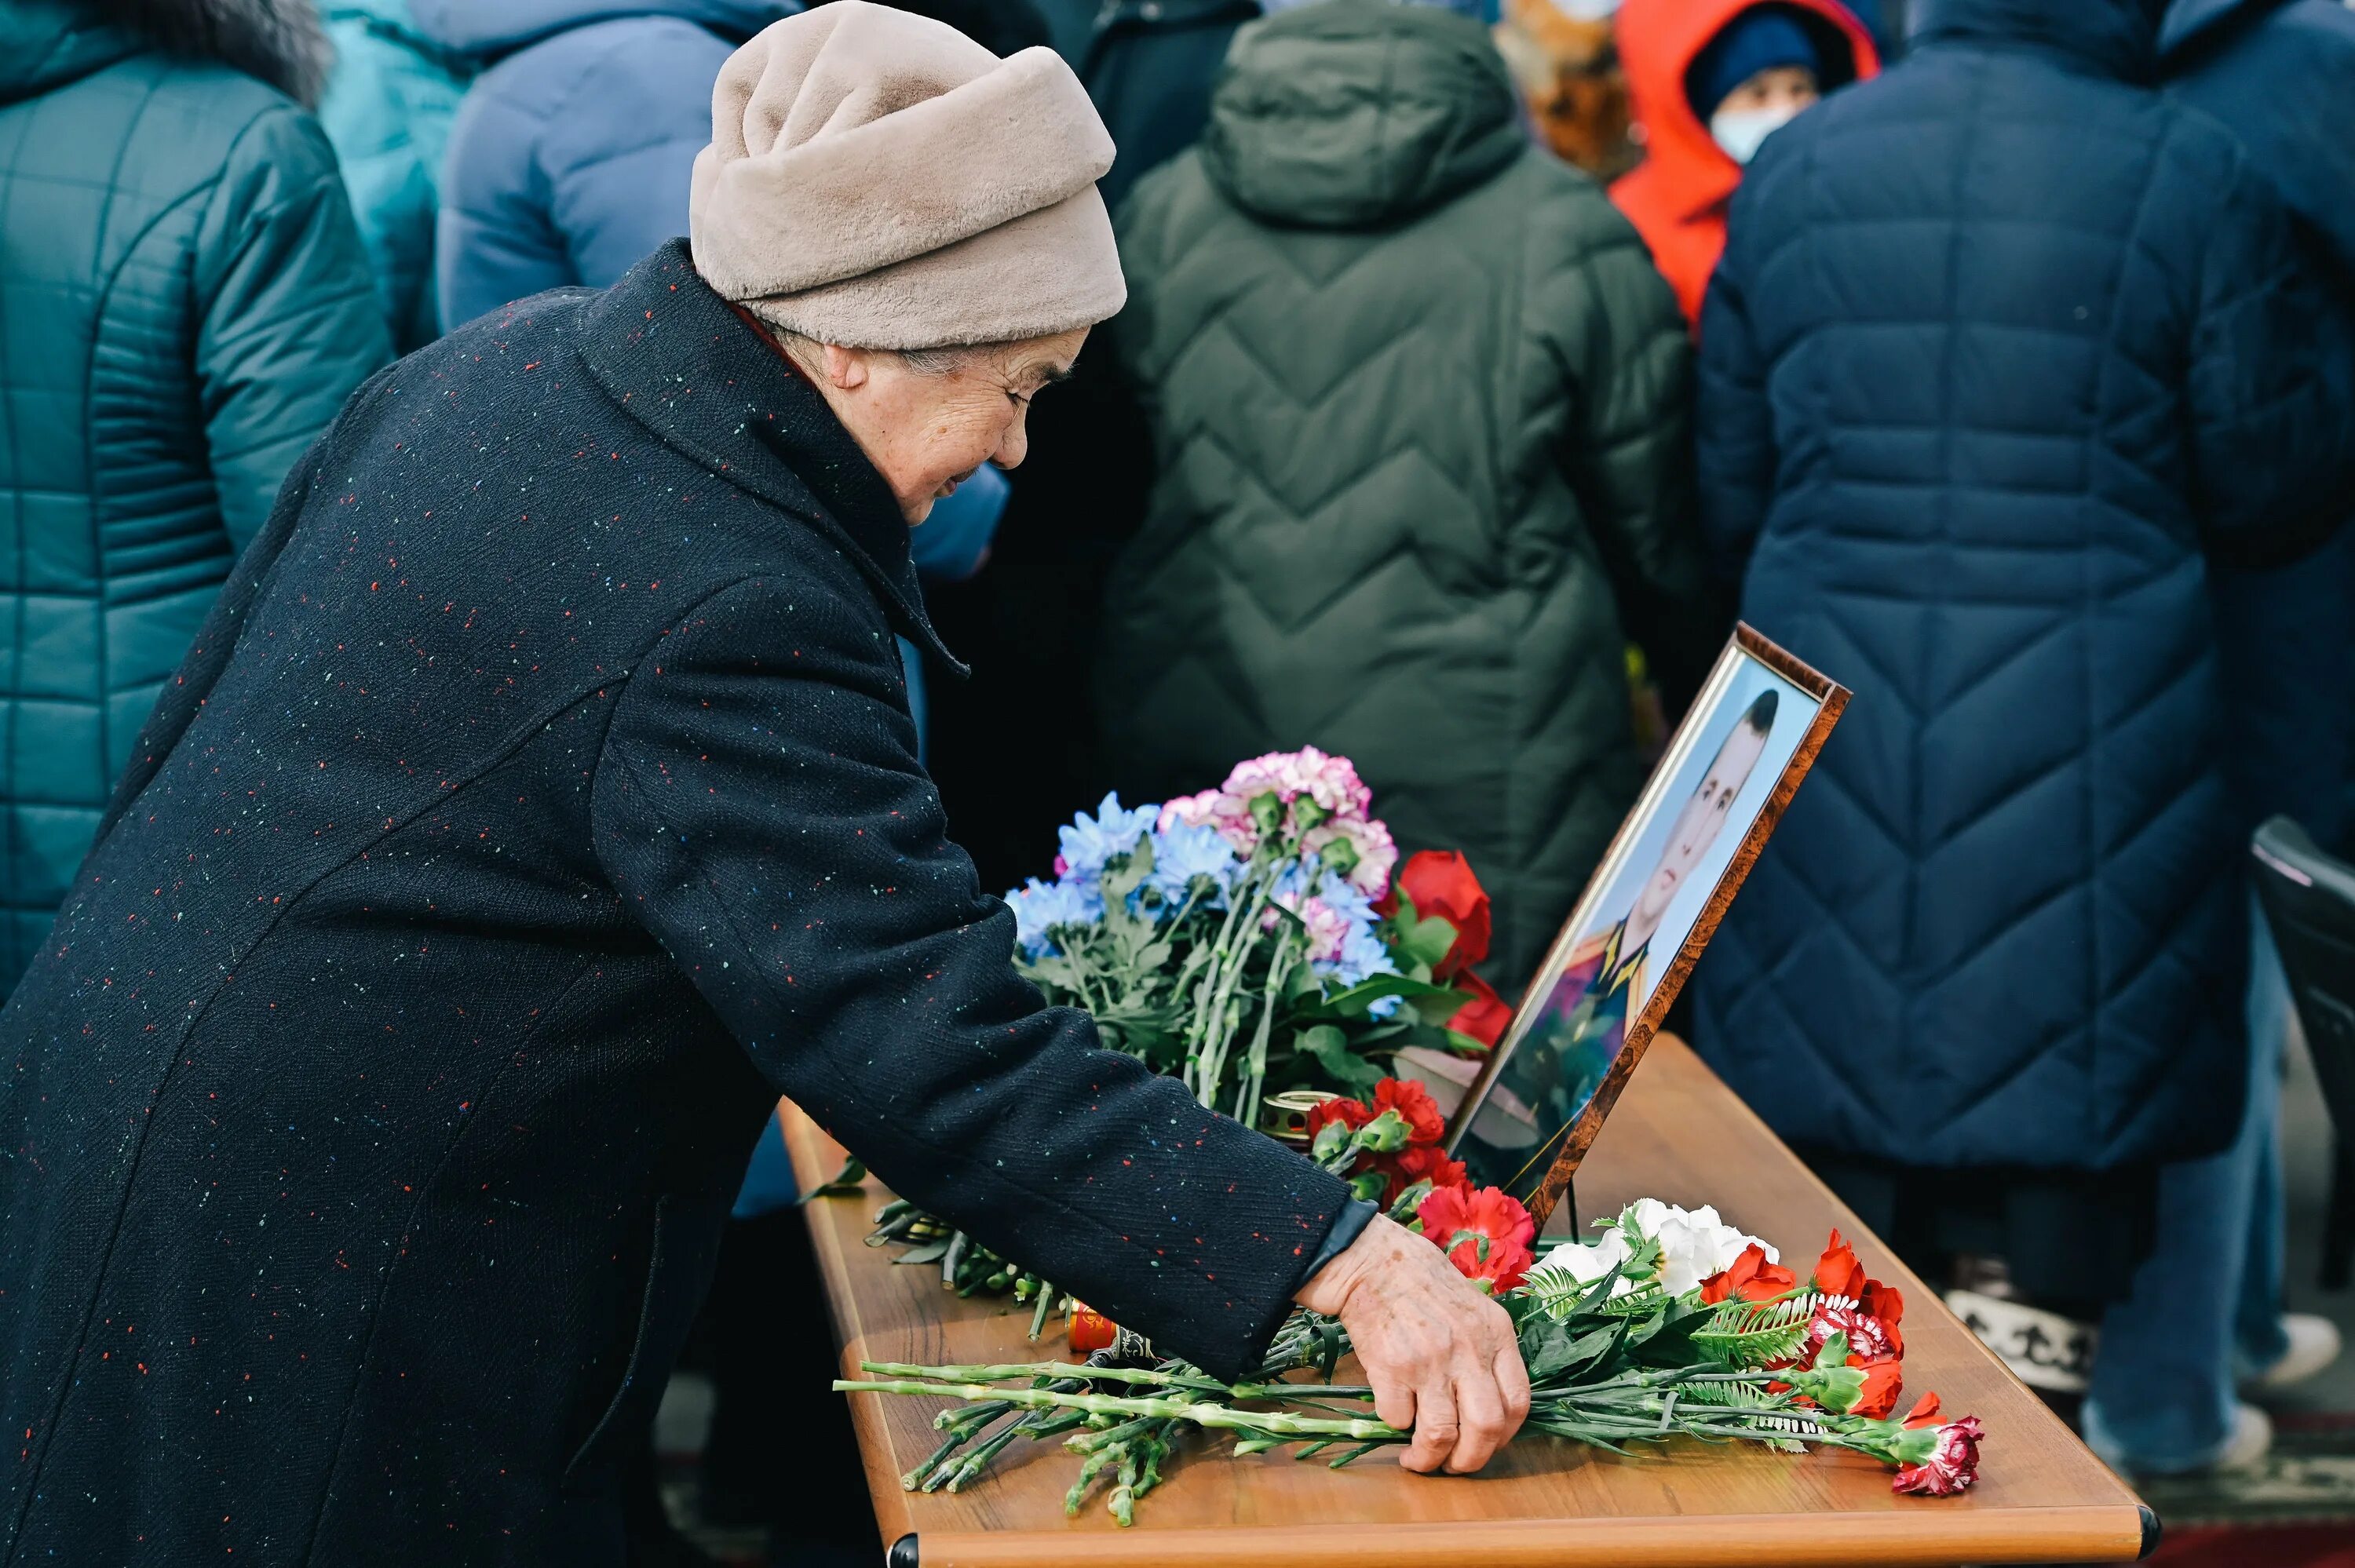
489 28
2115 38
1355 112
46 43
1658 42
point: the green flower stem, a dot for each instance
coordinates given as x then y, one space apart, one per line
1200 1413
1255 1079
1016 1371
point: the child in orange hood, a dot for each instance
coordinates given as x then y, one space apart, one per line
1708 79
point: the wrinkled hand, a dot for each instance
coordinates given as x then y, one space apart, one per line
1439 1356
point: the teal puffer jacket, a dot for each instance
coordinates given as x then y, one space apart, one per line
1420 405
186 305
388 111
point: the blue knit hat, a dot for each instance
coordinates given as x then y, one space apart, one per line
1762 38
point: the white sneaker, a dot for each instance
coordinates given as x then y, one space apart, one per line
2314 1344
2252 1440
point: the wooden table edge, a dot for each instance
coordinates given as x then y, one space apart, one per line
1919 1537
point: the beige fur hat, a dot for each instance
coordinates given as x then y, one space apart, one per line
878 180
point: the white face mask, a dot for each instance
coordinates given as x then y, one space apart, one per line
1740 130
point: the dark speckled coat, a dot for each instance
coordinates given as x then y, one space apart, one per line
540 802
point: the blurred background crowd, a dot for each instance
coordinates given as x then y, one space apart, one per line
1483 362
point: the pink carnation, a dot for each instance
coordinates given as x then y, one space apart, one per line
1214 809
1331 781
1329 929
1377 851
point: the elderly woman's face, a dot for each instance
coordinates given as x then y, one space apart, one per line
928 425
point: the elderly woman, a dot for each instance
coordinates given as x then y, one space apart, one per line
538 803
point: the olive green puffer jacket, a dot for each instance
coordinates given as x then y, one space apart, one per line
1420 405
186 305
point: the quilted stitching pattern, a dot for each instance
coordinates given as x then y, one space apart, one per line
1391 463
1975 410
184 306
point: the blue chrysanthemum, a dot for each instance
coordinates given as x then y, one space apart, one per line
1185 851
1039 907
1090 841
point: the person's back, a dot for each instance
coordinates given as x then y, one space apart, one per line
388 109
2004 349
187 306
569 159
1414 383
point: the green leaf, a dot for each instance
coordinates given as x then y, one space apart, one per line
1742 1335
1425 941
1123 874
1354 1002
1330 1047
931 1252
848 1181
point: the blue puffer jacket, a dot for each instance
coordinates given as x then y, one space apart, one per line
2004 349
571 155
2280 74
185 305
388 111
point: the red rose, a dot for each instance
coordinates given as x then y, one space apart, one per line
1483 1018
1951 1467
1750 1278
1348 1113
1091 1330
1441 883
1409 1166
1415 1106
1887 1308
1498 1269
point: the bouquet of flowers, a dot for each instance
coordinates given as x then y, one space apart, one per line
1252 939
1248 938
1671 1322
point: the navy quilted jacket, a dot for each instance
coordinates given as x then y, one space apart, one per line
186 305
2004 349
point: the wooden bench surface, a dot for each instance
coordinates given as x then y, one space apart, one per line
1680 1135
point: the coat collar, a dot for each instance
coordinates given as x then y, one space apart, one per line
675 357
2113 38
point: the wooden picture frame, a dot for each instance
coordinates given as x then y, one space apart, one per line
1707 717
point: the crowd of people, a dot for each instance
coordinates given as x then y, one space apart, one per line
1464 373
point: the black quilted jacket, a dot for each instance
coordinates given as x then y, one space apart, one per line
540 802
1420 405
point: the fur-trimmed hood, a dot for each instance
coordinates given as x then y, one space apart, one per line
277 41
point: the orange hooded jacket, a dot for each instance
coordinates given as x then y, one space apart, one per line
1676 198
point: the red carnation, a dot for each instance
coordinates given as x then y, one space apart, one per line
1838 1273
1424 1162
1924 1412
1348 1113
1424 1125
1441 883
1883 1382
1502 1266
1485 1016
1750 1278
1484 1233
1951 1467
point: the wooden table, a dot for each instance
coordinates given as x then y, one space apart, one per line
1678 1134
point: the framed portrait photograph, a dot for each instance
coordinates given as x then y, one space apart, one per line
1528 1118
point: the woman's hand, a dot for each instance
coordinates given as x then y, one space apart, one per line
1439 1356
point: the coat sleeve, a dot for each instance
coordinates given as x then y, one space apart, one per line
757 802
1629 457
2271 388
1734 457
288 317
617 156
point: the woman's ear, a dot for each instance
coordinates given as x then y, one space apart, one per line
846 368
